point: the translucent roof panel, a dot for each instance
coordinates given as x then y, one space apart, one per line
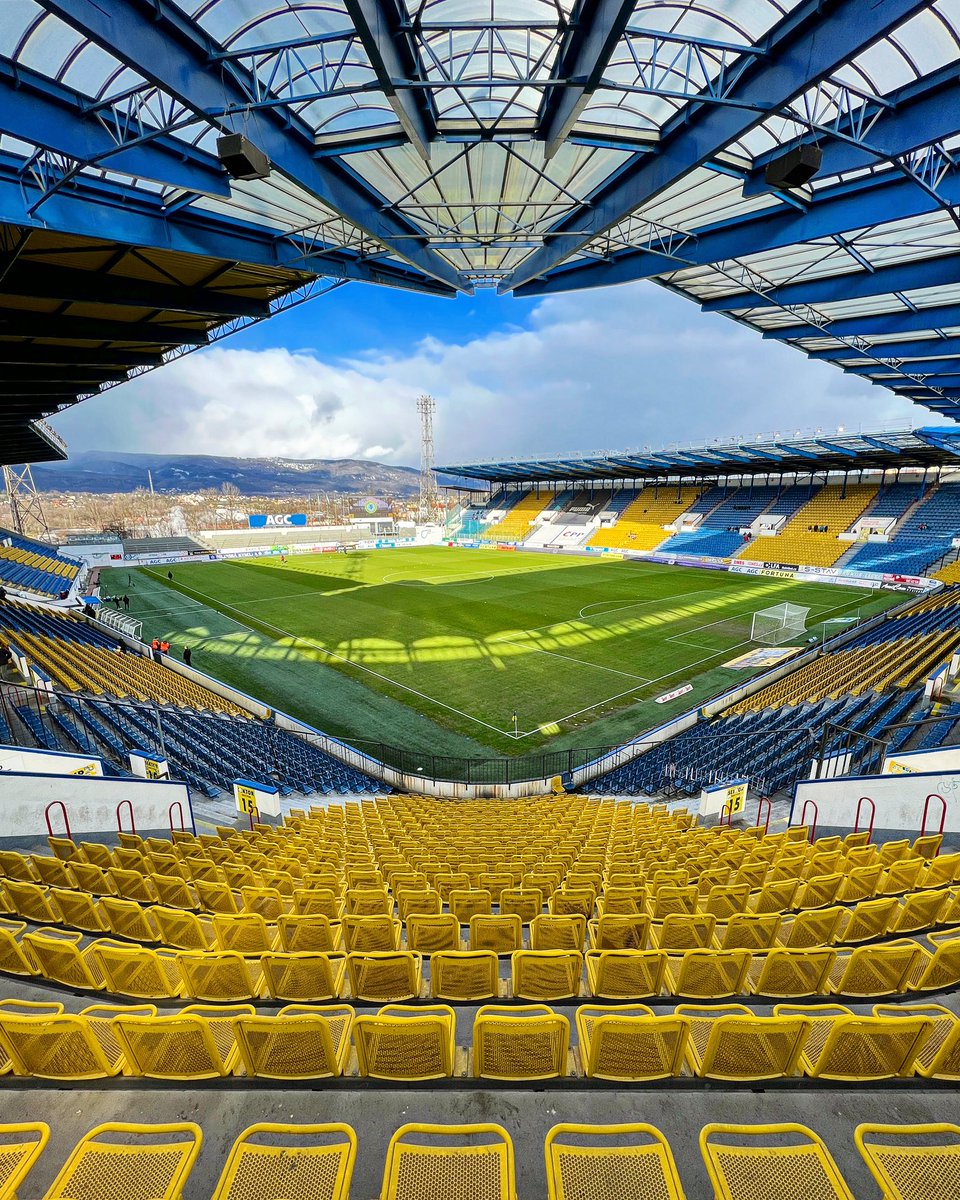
533 145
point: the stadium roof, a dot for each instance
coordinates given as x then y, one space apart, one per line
535 145
889 450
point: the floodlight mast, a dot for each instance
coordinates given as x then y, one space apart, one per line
27 517
426 407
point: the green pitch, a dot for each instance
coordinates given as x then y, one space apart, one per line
439 650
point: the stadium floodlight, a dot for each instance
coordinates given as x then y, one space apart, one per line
779 624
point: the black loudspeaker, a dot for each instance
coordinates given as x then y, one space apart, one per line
795 168
242 159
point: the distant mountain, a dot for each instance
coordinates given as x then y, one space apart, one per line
107 471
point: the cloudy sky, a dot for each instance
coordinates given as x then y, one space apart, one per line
614 368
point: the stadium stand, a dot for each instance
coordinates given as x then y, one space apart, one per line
640 527
32 566
918 540
811 535
208 740
518 521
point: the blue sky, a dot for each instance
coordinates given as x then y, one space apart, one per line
605 369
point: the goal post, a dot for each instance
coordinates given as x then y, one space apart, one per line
779 624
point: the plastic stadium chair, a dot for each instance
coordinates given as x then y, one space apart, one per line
941 970
216 897
558 932
13 960
630 1043
921 910
51 871
546 974
912 1162
750 931
303 976
391 976
881 970
855 1049
465 974
869 919
181 1046
530 1042
502 934
20 1147
57 956
138 971
733 1046
371 934
220 975
939 1056
78 910
128 920
312 932
808 930
455 1162
751 1162
297 1162
58 1046
404 1042
182 930
616 931
626 974
791 974
428 934
300 1042
709 974
245 933
685 931
615 1162
30 901
129 1162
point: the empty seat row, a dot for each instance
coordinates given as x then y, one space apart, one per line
628 1044
477 1162
124 969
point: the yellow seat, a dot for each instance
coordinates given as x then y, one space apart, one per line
868 920
371 934
615 1162
423 901
449 1161
428 934
367 902
267 901
139 971
729 1044
920 910
245 933
58 957
941 970
183 930
403 1042
272 1160
939 1056
751 1162
52 872
219 975
178 1046
558 932
312 932
847 1047
628 1042
174 891
127 919
807 930
216 897
529 1042
465 903
881 970
93 878
626 974
21 1145
791 973
77 909
750 931
61 1046
708 974
30 901
465 974
385 976
502 934
546 974
303 975
685 931
912 1162
616 931
129 1162
300 1042
572 901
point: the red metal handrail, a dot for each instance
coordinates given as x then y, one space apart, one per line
178 805
816 818
66 820
943 814
133 827
765 800
873 814
728 809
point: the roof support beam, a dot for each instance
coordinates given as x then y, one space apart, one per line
32 356
904 321
43 373
919 114
903 277
920 366
29 278
596 28
22 323
394 57
923 348
132 221
163 45
864 202
807 45
48 114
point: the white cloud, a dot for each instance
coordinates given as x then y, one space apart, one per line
615 368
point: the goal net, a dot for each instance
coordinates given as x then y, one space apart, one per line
782 623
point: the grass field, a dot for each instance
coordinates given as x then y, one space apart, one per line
437 649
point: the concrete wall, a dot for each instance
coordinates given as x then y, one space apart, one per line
48 762
899 800
91 807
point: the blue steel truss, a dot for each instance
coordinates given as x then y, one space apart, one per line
534 146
